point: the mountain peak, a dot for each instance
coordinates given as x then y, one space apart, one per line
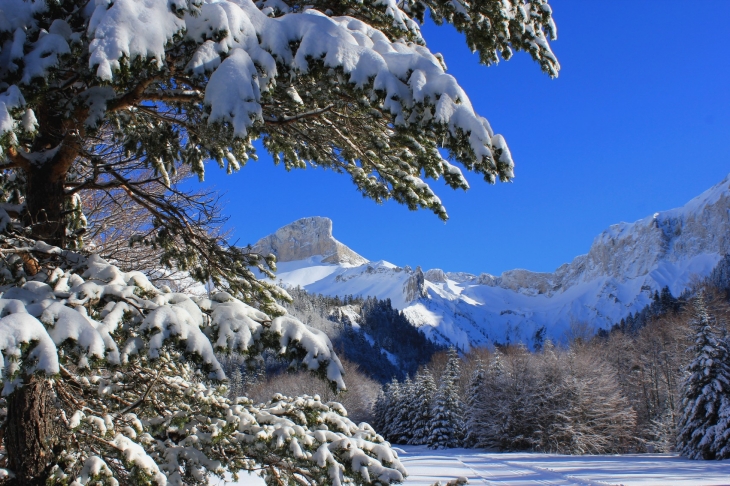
624 268
307 238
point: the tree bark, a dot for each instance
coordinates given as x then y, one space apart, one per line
44 206
31 432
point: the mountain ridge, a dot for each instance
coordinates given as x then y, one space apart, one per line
624 266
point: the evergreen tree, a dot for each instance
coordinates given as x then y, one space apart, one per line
422 412
703 425
721 443
380 408
402 431
235 383
118 97
475 401
447 426
392 404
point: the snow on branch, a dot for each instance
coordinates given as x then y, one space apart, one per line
125 360
242 54
102 313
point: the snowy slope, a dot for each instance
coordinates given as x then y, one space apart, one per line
625 265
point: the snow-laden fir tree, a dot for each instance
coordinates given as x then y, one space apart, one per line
107 378
235 383
390 405
703 425
722 429
447 425
422 411
128 377
379 409
401 432
474 414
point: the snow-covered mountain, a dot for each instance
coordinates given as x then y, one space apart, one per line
625 265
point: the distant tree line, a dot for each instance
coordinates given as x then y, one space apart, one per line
659 381
555 400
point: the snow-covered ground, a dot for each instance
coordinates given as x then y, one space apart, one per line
425 467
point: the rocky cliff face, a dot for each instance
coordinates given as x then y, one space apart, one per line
415 286
306 238
628 251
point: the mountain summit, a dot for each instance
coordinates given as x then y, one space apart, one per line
624 268
307 238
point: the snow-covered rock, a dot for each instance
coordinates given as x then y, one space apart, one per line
625 265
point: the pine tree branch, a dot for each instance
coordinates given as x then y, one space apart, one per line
285 120
141 399
16 160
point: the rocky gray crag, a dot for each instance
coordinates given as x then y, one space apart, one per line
305 238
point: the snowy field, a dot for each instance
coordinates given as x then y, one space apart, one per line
425 467
525 469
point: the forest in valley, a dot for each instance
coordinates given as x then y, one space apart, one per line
593 391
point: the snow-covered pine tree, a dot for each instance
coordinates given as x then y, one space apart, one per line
721 442
402 433
447 425
474 407
380 408
116 97
422 413
235 383
124 380
722 429
702 427
391 404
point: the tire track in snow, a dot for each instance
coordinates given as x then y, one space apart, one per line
562 478
512 473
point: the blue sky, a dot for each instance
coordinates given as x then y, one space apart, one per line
637 122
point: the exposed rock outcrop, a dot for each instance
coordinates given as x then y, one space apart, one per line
306 238
435 275
415 286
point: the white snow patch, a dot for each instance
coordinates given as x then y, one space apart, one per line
527 469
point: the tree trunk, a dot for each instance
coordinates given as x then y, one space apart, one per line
44 204
31 429
31 432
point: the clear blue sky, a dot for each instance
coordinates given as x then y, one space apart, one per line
637 122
